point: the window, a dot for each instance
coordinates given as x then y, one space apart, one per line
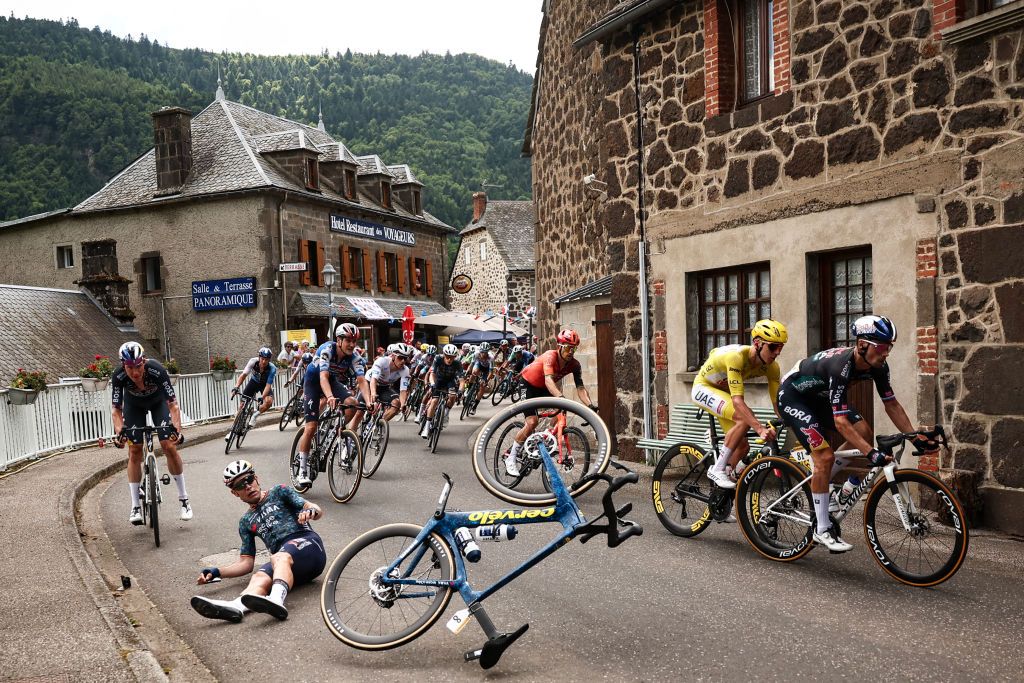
418 276
312 253
353 264
387 271
846 294
385 195
730 301
741 61
469 254
757 47
65 256
151 282
417 206
312 174
350 184
483 250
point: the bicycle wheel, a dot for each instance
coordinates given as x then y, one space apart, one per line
466 404
775 511
358 608
409 405
289 412
935 546
500 393
153 502
575 458
373 449
232 435
517 392
345 467
435 430
681 490
293 462
489 386
501 447
244 428
590 428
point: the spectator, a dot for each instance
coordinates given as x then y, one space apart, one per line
287 354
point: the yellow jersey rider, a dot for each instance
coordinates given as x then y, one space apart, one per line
719 390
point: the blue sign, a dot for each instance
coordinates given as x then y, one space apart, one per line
213 295
373 231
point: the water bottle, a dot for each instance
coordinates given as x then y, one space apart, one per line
467 546
496 532
849 487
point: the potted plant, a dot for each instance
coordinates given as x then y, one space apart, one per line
173 370
25 387
222 368
96 375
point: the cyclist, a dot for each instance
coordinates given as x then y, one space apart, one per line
480 366
501 353
142 387
813 399
467 356
325 381
442 379
718 389
260 373
300 367
389 379
518 359
280 517
542 379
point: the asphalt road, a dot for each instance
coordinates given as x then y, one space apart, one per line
656 608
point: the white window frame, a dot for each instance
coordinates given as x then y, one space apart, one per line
483 250
68 249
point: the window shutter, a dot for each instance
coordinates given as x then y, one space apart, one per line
367 270
320 261
346 268
381 279
304 257
413 285
430 280
400 262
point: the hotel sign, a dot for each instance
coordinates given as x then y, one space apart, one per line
213 295
373 231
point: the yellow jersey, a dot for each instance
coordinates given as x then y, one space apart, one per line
728 366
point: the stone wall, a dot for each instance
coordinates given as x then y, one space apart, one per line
490 276
520 293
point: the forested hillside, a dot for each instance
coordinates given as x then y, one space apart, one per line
75 105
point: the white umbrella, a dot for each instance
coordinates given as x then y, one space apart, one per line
462 321
494 323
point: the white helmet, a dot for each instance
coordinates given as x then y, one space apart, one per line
403 349
518 348
485 346
431 350
450 350
391 348
237 469
131 353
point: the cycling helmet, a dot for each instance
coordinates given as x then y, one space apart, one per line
404 350
391 348
265 352
431 349
347 330
485 346
518 348
503 342
424 347
307 357
875 328
237 469
450 350
771 331
568 337
131 353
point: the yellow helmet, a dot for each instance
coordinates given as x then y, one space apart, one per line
771 331
423 347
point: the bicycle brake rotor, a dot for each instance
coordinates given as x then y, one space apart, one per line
383 595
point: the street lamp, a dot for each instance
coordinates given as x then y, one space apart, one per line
329 273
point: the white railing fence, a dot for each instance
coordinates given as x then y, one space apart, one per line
65 416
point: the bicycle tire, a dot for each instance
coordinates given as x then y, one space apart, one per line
483 456
517 392
500 393
344 597
435 429
782 539
288 413
947 515
678 478
293 462
373 449
489 387
153 502
344 479
244 429
500 450
465 407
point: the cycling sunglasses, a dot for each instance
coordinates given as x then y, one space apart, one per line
243 483
776 346
133 363
881 346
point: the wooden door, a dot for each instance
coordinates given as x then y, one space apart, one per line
605 367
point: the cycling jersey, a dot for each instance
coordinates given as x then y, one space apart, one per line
328 357
445 374
828 374
156 384
728 366
550 364
259 379
520 361
384 374
274 520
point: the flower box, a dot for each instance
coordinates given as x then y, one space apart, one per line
21 397
221 375
92 384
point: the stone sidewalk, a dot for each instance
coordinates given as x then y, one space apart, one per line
60 620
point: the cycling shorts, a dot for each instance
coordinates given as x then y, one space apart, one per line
717 402
255 389
483 370
134 410
535 392
312 393
386 393
440 387
308 558
809 416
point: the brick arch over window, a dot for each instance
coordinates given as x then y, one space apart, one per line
721 61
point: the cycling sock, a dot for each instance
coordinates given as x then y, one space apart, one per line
135 494
516 447
838 465
303 457
821 510
179 481
279 591
723 458
237 604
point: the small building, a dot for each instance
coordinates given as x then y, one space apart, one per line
193 235
496 254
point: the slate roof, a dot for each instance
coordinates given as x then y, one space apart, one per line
315 304
337 151
403 174
371 164
227 141
592 290
57 331
511 224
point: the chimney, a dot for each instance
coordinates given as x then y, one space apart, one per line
479 205
172 139
101 279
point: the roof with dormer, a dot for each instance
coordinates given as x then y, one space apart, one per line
511 226
371 164
403 175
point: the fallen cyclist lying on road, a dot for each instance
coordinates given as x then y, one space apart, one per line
280 517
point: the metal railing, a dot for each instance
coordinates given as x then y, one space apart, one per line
66 416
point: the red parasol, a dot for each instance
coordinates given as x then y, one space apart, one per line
408 324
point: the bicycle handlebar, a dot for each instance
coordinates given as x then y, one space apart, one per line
887 443
617 527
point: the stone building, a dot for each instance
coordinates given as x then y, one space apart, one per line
496 253
812 162
192 234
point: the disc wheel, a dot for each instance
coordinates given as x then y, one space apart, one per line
374 447
680 490
934 548
345 467
363 612
775 511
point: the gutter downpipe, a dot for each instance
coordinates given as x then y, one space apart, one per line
645 322
284 286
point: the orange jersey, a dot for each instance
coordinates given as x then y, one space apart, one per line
548 364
